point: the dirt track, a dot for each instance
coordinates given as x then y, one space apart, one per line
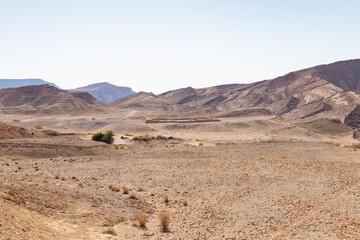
246 191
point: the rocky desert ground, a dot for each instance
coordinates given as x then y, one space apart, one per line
239 178
275 159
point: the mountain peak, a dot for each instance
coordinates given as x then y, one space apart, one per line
106 92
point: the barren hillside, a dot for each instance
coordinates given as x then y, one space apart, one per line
48 100
11 132
325 91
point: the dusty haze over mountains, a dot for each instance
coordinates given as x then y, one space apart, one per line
106 92
13 83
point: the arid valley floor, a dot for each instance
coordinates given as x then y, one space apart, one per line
240 178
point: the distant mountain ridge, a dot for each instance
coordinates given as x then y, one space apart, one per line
105 91
13 83
48 100
324 91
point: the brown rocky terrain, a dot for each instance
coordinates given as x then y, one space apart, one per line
12 132
259 190
325 91
277 159
48 100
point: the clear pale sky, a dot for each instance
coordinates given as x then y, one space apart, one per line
158 45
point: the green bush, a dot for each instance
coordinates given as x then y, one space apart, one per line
98 136
106 137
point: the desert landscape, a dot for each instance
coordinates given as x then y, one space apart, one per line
277 159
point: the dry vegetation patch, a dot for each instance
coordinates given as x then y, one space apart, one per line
141 218
164 217
110 231
125 190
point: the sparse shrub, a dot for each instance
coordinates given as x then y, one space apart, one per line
164 217
106 137
114 188
166 199
159 137
38 127
147 138
110 231
143 138
125 190
141 218
357 145
98 136
333 143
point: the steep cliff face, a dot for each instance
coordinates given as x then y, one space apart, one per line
353 118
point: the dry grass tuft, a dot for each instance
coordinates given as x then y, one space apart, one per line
283 157
166 199
333 143
125 190
357 145
110 231
141 218
114 188
164 217
229 143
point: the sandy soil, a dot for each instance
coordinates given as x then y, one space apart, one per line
260 190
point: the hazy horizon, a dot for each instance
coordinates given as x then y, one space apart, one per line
165 45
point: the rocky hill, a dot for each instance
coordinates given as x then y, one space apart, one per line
11 132
106 92
13 83
325 91
48 100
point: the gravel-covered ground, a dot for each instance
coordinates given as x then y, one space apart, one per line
241 191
